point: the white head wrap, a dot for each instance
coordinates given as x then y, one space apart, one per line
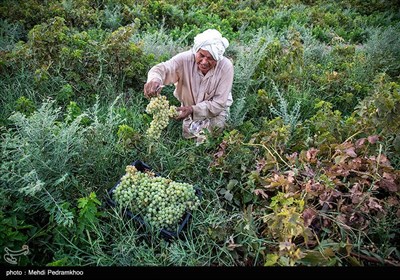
212 41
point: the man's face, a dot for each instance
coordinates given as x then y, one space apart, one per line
205 61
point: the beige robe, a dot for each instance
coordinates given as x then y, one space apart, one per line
209 95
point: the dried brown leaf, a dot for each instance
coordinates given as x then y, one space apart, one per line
373 203
360 142
260 164
308 216
311 155
292 158
340 159
291 176
308 172
383 160
388 183
392 201
285 246
350 151
373 139
221 150
261 192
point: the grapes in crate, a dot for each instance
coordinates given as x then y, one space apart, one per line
160 201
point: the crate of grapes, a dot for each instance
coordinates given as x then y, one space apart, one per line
154 200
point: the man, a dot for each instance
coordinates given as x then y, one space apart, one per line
203 80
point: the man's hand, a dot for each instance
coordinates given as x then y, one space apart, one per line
152 88
184 111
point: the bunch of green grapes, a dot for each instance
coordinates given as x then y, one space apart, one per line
160 201
162 112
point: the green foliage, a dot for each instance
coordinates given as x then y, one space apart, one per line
369 7
377 114
45 40
43 156
291 60
113 16
62 214
159 43
124 57
28 13
273 139
243 75
54 49
102 154
65 94
88 212
14 234
329 166
233 157
80 13
326 126
285 224
25 106
127 135
10 33
386 102
73 111
289 117
382 53
39 153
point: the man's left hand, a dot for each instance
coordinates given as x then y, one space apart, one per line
184 111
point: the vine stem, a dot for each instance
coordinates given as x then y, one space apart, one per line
270 152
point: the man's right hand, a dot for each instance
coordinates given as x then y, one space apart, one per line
152 88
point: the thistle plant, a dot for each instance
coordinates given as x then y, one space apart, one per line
290 116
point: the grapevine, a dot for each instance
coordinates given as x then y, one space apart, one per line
162 202
162 112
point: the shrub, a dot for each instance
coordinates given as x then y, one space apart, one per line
382 52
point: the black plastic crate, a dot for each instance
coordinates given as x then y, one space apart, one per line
142 167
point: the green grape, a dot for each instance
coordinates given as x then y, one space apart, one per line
162 112
161 201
